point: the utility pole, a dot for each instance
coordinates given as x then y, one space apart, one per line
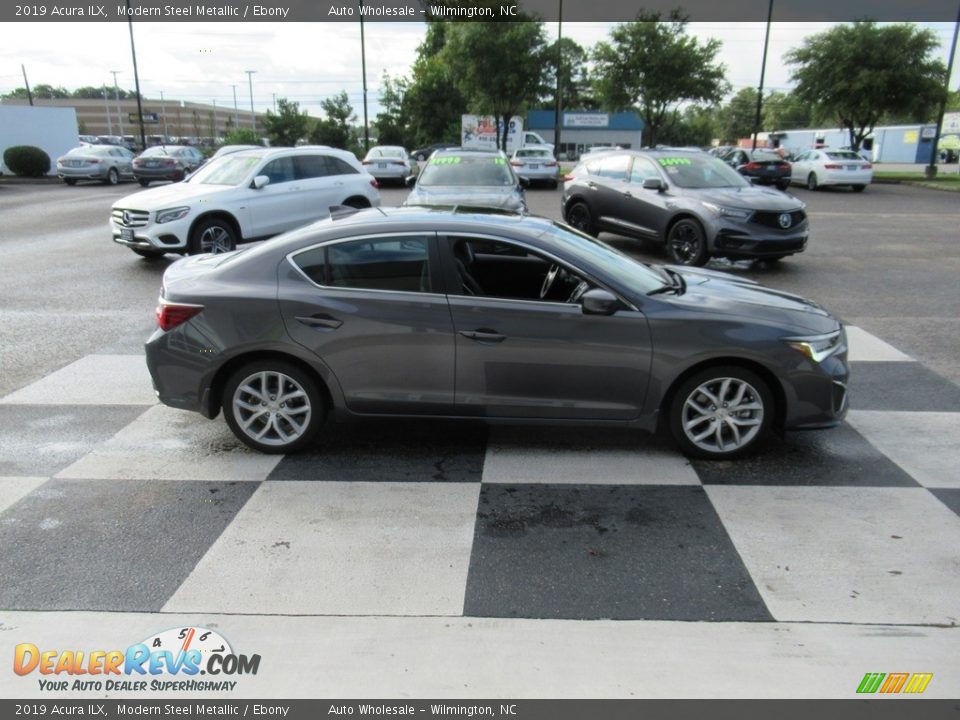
26 84
116 98
274 102
163 111
214 120
559 100
236 111
763 69
363 66
106 108
931 169
253 116
136 80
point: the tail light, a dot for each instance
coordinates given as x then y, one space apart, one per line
552 163
170 315
833 167
365 162
568 177
783 166
373 183
867 166
169 163
516 163
93 162
752 166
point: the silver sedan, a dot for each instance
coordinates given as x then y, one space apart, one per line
106 163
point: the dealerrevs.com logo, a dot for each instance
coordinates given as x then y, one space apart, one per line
171 660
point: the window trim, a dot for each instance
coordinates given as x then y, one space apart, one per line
436 279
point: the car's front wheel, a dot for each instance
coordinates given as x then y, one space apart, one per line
687 243
213 236
274 406
812 182
113 176
579 217
721 413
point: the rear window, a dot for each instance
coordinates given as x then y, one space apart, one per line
156 150
763 156
385 152
467 170
843 155
533 153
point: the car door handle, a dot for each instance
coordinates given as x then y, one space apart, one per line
321 321
484 335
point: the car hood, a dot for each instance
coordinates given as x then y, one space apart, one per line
166 196
712 291
753 198
498 197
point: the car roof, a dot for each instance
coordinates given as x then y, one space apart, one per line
470 152
293 151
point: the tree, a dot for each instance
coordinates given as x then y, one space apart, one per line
654 66
576 90
696 125
861 72
737 115
784 110
288 125
240 136
334 129
498 65
390 123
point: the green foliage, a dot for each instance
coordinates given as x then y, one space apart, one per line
26 161
697 125
782 111
390 123
576 88
654 65
334 130
863 72
241 136
288 125
498 65
737 116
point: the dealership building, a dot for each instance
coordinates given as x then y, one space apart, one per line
581 130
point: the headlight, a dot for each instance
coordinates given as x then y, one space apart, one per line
165 216
817 347
738 213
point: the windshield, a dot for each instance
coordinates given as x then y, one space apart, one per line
627 271
226 170
700 171
155 150
467 170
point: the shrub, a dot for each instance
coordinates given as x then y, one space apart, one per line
26 161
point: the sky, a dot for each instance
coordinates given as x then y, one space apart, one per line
308 62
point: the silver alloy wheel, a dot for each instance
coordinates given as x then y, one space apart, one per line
722 415
271 408
215 239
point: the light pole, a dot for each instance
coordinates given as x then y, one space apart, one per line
253 117
931 169
363 66
116 98
163 110
106 108
559 100
136 80
236 111
763 69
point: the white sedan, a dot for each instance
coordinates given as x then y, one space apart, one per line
815 168
389 162
536 164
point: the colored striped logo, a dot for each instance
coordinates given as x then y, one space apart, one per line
893 683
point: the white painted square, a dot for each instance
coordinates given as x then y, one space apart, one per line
91 380
330 548
924 444
865 347
845 554
13 489
169 444
550 455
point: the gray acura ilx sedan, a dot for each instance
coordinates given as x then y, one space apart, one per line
494 316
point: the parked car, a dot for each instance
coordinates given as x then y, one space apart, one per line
249 195
477 178
425 152
692 203
110 140
406 312
389 162
536 164
816 168
721 150
106 163
765 167
166 162
88 139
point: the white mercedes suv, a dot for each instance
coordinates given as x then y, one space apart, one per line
248 195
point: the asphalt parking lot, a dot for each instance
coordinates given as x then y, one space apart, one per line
429 559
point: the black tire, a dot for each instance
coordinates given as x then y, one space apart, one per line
554 184
213 235
699 413
859 188
687 243
271 416
359 203
812 183
143 183
113 177
70 181
580 217
149 254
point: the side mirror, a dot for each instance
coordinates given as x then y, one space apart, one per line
653 184
410 180
599 302
260 181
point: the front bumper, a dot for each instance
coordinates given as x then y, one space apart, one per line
163 237
752 239
817 393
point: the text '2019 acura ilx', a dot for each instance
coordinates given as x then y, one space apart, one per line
493 316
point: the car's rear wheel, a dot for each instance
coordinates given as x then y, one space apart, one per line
148 254
579 217
721 413
70 181
812 182
213 236
273 406
687 243
859 188
113 177
143 183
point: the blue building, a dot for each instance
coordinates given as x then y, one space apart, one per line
582 129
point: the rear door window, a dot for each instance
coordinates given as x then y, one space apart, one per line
399 263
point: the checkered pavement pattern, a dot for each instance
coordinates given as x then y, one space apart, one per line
110 501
